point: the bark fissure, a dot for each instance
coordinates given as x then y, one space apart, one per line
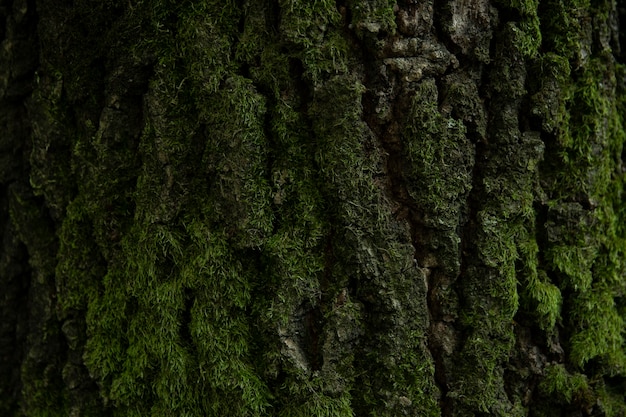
388 105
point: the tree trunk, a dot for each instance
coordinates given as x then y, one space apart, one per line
312 208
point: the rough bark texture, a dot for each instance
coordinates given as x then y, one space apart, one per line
312 208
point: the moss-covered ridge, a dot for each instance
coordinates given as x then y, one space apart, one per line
222 205
208 233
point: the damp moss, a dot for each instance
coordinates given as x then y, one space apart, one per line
178 338
373 16
589 143
489 287
539 294
374 253
611 400
583 181
480 387
237 153
491 303
440 155
501 251
80 264
441 159
547 298
249 210
567 387
527 30
587 140
312 29
575 262
599 329
565 28
318 404
548 103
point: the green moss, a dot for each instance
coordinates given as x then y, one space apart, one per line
105 347
178 339
461 94
548 299
611 400
586 139
527 31
539 294
375 252
553 91
575 262
558 383
584 185
441 160
530 35
599 329
313 33
440 155
80 264
435 145
565 28
565 388
246 220
479 384
589 142
318 404
489 289
371 17
237 154
501 250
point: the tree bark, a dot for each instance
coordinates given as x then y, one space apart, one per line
312 208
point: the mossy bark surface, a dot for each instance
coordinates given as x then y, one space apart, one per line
312 208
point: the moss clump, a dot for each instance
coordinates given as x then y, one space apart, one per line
312 31
527 30
208 193
440 155
611 400
587 147
499 241
599 329
81 266
375 253
548 103
441 160
575 262
558 382
178 338
371 17
566 28
578 104
545 299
